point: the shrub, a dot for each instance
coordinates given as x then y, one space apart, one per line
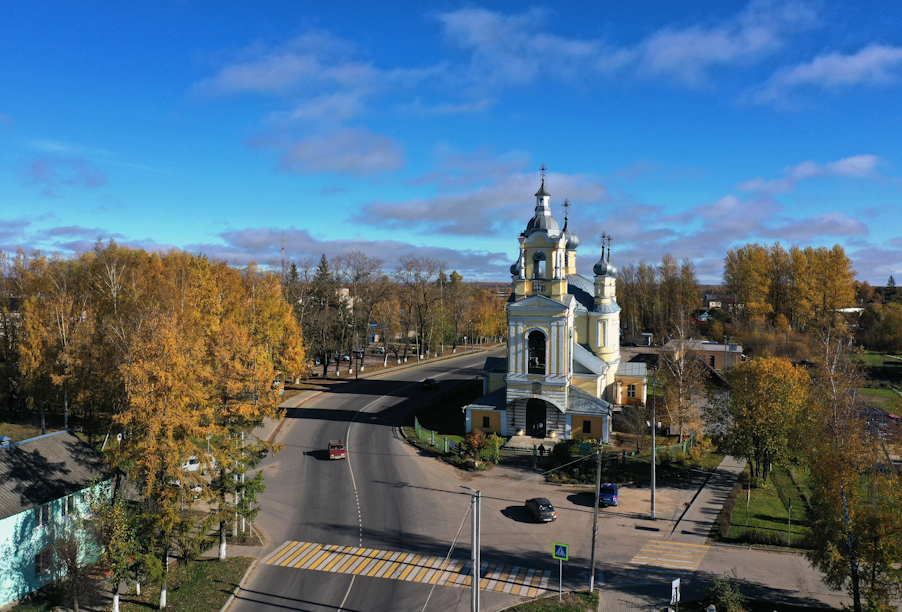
723 519
763 538
725 596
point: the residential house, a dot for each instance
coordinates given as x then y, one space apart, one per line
42 481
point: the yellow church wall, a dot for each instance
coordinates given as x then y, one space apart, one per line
578 426
494 420
589 386
581 329
494 382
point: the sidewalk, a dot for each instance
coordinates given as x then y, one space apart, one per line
695 524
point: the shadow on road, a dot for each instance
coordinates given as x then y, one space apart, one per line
519 514
264 599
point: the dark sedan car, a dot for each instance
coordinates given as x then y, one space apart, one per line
541 509
430 383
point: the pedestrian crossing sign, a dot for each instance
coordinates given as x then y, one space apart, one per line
561 551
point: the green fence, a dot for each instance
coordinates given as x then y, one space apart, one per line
432 438
681 447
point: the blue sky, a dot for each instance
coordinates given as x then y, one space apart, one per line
396 128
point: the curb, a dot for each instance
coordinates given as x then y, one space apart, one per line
238 588
282 420
796 551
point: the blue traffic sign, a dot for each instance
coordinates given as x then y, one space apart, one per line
561 552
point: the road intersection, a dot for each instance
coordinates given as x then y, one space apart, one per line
341 534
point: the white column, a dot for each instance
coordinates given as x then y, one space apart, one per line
511 348
562 346
553 349
521 351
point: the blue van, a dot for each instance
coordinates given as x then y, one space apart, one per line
607 495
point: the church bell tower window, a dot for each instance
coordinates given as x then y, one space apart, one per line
538 265
537 352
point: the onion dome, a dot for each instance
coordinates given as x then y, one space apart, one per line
604 268
572 239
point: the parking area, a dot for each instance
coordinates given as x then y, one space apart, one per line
510 531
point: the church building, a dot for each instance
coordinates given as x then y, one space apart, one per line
562 377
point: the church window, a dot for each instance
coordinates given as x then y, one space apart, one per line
536 353
631 391
485 421
587 427
538 265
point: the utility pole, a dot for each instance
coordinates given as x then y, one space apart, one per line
475 559
653 452
595 523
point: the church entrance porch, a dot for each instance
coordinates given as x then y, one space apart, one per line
535 418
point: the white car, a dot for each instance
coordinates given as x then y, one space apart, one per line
195 465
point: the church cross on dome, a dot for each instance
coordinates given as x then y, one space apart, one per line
543 168
566 209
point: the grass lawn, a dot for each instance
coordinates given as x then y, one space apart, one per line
202 586
882 398
873 358
23 431
581 601
886 393
768 511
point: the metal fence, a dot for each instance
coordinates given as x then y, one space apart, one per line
680 447
432 438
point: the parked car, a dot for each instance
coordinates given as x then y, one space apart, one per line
357 353
193 464
541 509
345 357
337 450
607 495
430 383
379 350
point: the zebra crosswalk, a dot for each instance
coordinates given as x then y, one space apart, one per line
410 567
660 561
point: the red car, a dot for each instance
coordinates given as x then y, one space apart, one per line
337 450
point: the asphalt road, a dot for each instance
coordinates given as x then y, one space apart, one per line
384 496
388 497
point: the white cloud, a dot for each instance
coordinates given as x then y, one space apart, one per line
827 224
857 166
504 204
873 65
516 49
347 150
687 54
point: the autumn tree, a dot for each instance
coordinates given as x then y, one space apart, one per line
856 529
457 303
682 375
418 292
766 412
362 276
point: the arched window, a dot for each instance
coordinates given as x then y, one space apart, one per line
537 351
538 265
